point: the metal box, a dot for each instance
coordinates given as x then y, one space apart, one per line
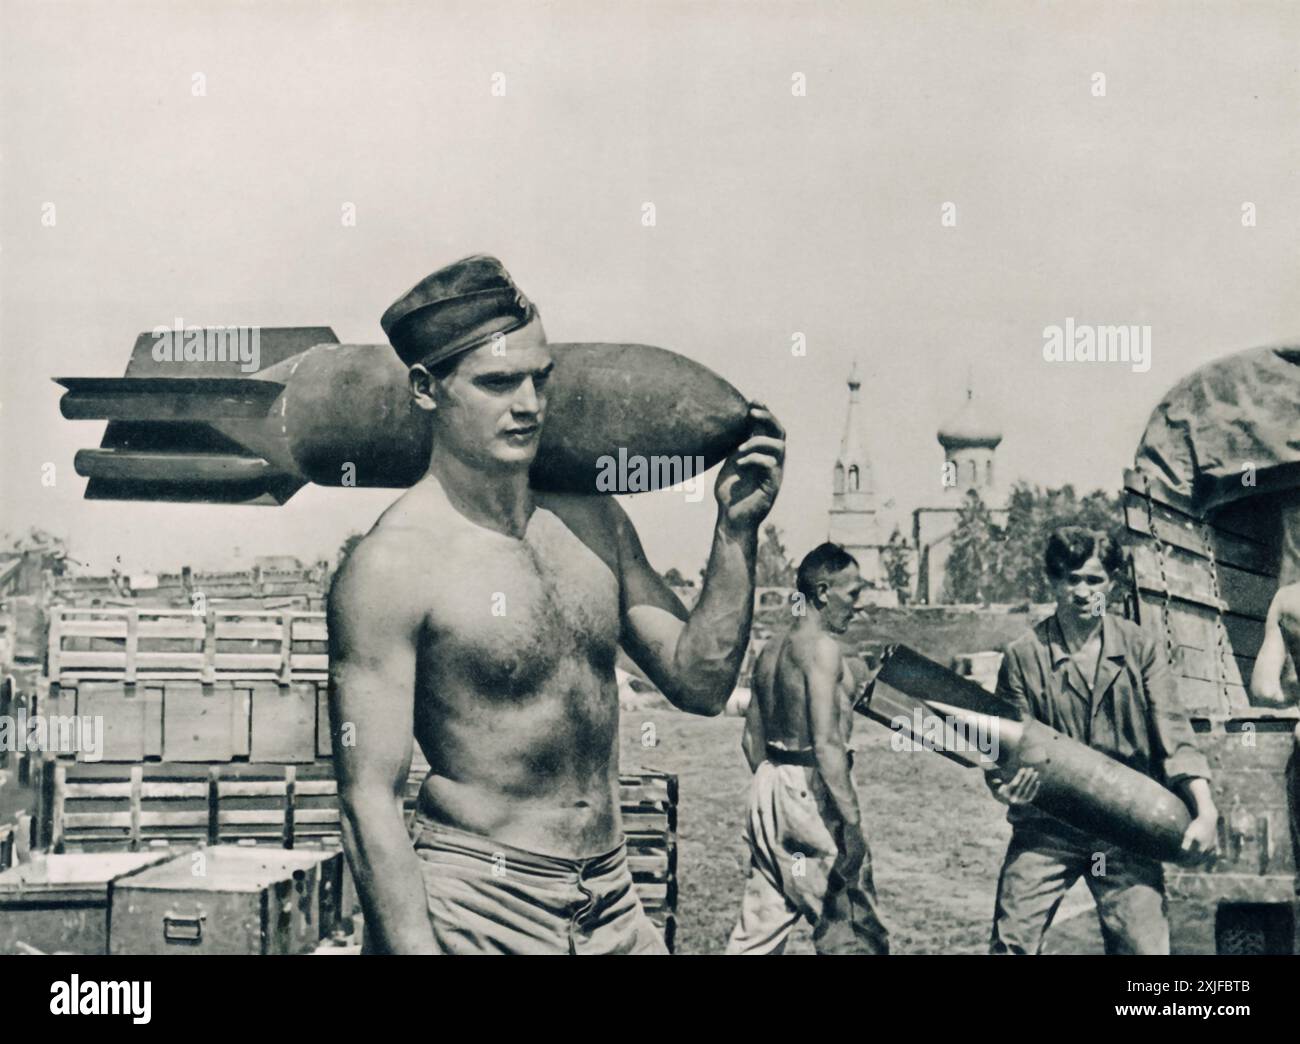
229 899
60 902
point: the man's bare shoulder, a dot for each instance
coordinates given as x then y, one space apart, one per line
392 559
815 651
379 557
374 575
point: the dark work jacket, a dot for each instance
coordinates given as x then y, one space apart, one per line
1132 714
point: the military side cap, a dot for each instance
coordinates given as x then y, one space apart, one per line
455 309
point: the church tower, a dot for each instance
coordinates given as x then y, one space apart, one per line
853 522
968 441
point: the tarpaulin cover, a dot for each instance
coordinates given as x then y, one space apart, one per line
1238 411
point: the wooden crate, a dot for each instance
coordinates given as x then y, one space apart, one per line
236 684
649 807
133 643
60 902
227 900
1203 589
87 806
107 807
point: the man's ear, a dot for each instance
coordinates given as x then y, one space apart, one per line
422 387
819 593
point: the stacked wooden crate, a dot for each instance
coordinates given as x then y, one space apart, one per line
90 807
235 683
649 805
1203 589
216 730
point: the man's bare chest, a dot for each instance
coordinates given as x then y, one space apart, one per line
517 611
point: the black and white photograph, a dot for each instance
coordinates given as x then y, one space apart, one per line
665 477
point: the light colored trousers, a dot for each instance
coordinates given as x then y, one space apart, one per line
486 897
793 874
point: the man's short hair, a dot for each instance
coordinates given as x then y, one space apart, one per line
1070 546
822 561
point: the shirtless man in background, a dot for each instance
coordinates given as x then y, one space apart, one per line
1281 637
483 618
808 856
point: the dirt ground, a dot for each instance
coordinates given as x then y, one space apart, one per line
937 837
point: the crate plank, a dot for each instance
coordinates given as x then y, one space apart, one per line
191 630
647 828
316 662
1190 579
275 817
74 628
197 724
169 661
122 791
74 821
73 659
284 722
1172 527
1206 697
124 716
1194 626
227 628
324 741
227 662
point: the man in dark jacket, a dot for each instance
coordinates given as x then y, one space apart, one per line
1103 681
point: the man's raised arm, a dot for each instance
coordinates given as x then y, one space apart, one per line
372 696
694 658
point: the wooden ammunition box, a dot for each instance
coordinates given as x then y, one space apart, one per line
61 902
228 899
230 685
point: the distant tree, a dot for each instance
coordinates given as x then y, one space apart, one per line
773 568
973 563
896 559
674 578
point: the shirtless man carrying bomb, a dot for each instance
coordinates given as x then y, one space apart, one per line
808 856
483 618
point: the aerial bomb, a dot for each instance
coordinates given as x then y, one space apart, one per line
342 415
1078 785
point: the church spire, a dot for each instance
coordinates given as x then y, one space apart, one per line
852 522
853 443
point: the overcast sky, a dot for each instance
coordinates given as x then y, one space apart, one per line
775 214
